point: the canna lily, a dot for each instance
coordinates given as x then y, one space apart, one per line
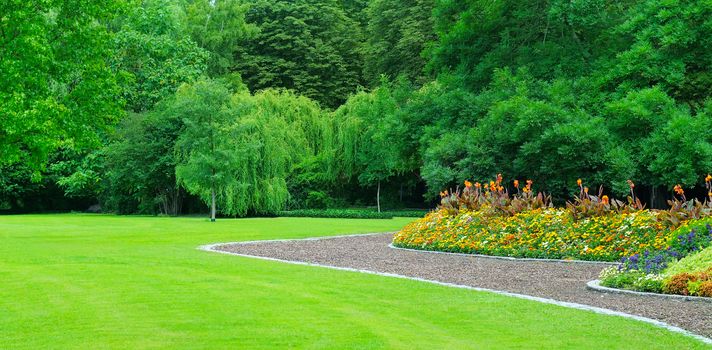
604 199
578 182
678 189
708 178
585 190
468 184
477 185
516 183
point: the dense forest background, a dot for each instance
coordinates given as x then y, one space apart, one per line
153 106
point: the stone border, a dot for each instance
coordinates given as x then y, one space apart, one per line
595 285
213 248
573 261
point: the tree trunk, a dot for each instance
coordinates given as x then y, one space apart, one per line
378 196
212 204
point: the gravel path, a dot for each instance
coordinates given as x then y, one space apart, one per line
555 280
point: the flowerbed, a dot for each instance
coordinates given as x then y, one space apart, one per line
539 233
486 219
684 268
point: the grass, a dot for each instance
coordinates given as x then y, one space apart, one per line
109 282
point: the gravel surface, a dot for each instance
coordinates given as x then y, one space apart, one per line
555 280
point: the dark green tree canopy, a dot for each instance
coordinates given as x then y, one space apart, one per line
310 46
397 34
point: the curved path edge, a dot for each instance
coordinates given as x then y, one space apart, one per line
213 248
595 285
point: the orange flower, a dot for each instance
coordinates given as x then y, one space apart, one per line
516 183
468 184
477 185
604 199
708 178
499 178
709 194
585 190
578 182
631 184
500 188
678 189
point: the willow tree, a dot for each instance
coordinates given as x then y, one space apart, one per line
237 150
371 136
275 132
206 160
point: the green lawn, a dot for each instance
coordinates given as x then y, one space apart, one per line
94 282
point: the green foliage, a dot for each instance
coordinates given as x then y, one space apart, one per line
206 162
56 88
669 47
310 46
219 27
244 146
153 54
397 34
371 135
140 164
352 213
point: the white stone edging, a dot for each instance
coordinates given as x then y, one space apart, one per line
598 310
572 261
595 285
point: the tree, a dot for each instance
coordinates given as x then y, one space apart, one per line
56 88
397 34
153 55
140 161
371 136
309 46
551 38
669 48
219 27
206 161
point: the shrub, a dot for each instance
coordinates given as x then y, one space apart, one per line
352 213
705 289
337 213
652 283
677 284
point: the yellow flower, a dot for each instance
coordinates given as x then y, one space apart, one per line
578 182
468 184
604 199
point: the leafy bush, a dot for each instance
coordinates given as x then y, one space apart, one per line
352 213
